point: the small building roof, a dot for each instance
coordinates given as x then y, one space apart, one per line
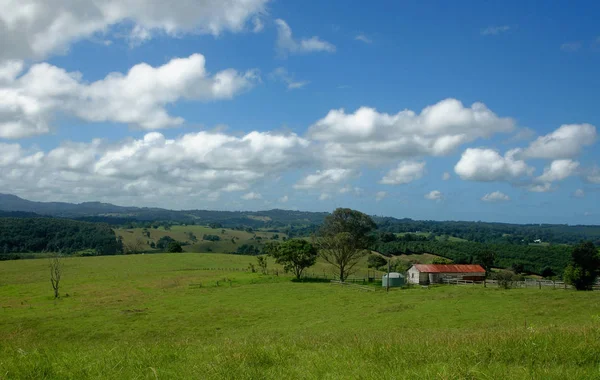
394 275
449 268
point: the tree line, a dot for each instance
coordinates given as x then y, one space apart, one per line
26 235
502 233
533 258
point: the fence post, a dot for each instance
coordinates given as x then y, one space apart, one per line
540 284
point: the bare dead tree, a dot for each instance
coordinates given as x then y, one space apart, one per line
134 247
56 269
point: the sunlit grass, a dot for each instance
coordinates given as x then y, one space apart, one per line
165 316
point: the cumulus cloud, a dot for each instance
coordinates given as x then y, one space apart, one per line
496 196
324 197
258 25
406 172
358 191
325 178
286 44
367 136
380 195
281 74
495 30
10 69
540 188
284 199
579 193
593 175
446 176
138 98
566 142
252 196
558 170
571 47
34 29
487 165
434 195
196 164
361 37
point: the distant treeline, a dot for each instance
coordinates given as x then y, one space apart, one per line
26 235
502 233
534 258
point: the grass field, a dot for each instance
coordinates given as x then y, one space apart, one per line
163 316
230 239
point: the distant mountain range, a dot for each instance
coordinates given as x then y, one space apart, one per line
109 213
302 222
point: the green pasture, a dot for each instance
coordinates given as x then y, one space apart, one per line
230 239
181 316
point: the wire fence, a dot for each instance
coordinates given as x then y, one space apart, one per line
540 284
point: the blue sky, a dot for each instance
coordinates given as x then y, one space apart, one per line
428 110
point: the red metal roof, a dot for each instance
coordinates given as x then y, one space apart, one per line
449 268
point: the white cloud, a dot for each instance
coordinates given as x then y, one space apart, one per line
565 142
558 170
138 98
258 25
281 74
593 175
284 199
406 172
495 30
571 47
286 44
367 136
325 178
324 197
361 37
380 195
252 196
38 28
579 193
194 165
487 165
496 196
9 70
349 189
540 188
434 195
446 176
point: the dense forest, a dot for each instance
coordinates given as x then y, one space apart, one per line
26 235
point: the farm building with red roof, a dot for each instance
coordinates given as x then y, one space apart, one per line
435 273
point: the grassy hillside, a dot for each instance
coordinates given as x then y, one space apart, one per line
229 241
163 316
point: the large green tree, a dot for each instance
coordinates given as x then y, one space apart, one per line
344 238
295 255
175 247
487 260
584 267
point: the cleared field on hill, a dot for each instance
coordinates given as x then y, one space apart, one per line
163 316
181 233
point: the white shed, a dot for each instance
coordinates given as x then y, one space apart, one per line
435 273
